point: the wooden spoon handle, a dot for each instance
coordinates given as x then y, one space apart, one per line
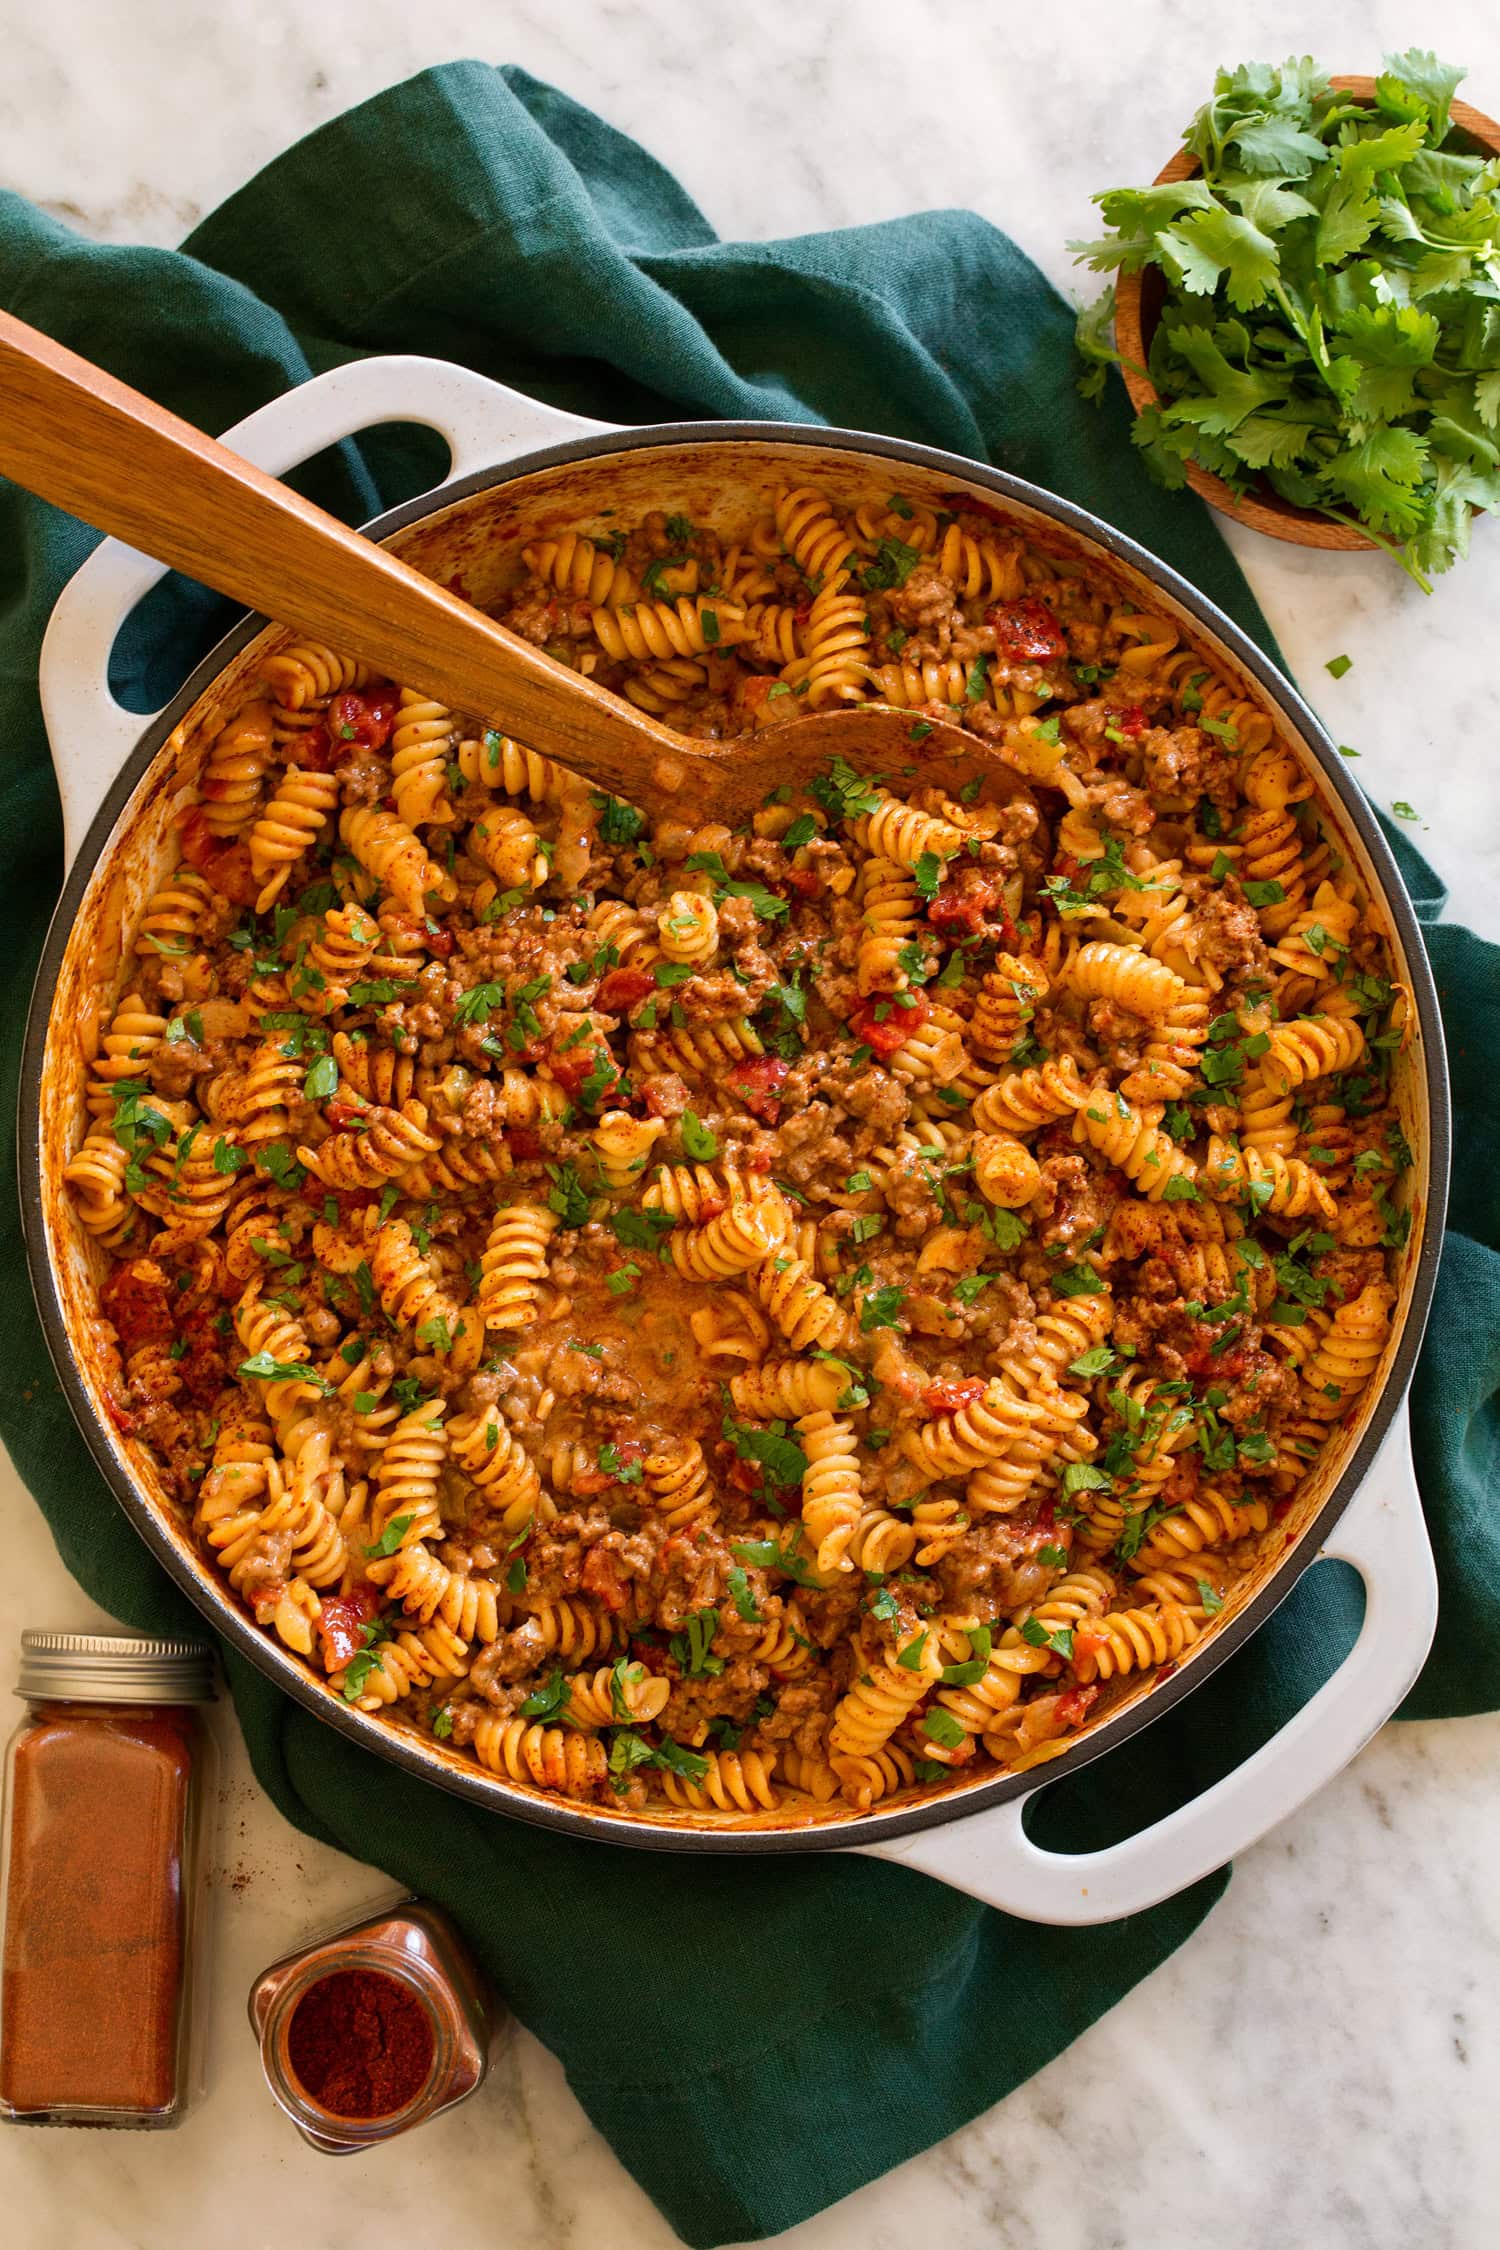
93 446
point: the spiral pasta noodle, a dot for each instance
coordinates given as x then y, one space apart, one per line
737 1241
548 1757
514 1265
288 828
392 853
235 770
490 1452
309 673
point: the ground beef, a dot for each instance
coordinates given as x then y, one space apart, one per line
1348 1272
881 1100
1227 936
509 1658
995 1569
924 605
801 1713
1186 762
1074 1201
731 1694
812 1149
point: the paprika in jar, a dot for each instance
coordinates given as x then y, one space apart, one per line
375 2028
106 1779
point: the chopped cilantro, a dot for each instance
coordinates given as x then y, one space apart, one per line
879 1308
390 1539
568 1196
619 823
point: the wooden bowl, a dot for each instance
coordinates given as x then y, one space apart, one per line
1139 299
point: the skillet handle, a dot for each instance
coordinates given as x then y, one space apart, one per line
1383 1534
481 422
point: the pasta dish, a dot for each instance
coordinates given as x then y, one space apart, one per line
721 1320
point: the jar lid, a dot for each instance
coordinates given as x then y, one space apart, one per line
115 1668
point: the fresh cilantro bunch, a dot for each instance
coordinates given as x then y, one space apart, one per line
1332 313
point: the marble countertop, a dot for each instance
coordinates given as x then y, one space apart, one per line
1321 2063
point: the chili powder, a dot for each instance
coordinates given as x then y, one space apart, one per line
99 1881
361 2043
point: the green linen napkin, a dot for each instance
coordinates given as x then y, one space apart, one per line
756 2039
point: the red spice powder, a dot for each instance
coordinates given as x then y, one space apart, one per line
93 1962
361 2043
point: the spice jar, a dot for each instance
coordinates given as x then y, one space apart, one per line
374 2029
106 1779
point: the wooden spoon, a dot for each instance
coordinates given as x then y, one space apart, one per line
93 446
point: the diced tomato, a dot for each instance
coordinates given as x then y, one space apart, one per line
622 989
138 1299
362 721
341 1624
1027 631
758 1083
225 866
1131 722
601 1577
952 1398
204 1366
1086 1642
437 940
341 1115
744 1476
523 1144
1074 1703
572 1065
316 751
879 1024
806 881
969 904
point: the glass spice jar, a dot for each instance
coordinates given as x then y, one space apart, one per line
106 1782
374 2028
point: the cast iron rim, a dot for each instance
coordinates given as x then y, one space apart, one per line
562 1816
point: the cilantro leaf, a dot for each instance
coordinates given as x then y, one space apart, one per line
1328 327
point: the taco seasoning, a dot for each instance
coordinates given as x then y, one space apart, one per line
375 2028
105 1780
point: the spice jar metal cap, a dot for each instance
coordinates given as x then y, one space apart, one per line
115 1668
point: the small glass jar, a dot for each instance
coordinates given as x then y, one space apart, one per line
107 1778
402 1975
